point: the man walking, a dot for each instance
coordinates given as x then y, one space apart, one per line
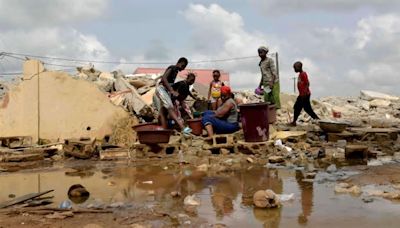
303 100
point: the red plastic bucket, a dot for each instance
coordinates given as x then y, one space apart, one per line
255 122
196 126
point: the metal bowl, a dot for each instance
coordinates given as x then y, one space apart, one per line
332 126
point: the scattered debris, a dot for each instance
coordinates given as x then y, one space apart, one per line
23 198
191 200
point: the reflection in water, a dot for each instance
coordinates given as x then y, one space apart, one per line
224 189
226 197
306 189
223 195
269 217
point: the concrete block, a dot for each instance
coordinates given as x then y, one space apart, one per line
356 152
114 154
16 141
82 149
220 141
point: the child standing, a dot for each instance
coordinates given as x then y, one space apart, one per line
214 92
303 100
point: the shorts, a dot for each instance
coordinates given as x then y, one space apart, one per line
162 98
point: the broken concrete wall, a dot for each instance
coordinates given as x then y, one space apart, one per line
52 105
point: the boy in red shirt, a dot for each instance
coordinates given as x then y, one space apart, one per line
303 100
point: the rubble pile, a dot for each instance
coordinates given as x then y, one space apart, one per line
121 90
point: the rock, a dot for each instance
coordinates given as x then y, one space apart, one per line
77 190
331 169
191 200
344 188
374 162
228 162
250 160
371 95
367 200
364 105
266 199
224 151
391 195
379 103
203 167
78 194
276 159
175 194
57 157
374 192
355 190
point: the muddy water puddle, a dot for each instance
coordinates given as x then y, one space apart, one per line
225 198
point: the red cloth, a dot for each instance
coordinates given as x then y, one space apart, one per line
303 84
226 90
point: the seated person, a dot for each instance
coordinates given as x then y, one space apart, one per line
225 119
183 89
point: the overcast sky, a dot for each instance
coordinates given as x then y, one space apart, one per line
345 45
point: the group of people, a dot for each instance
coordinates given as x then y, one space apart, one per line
222 118
269 85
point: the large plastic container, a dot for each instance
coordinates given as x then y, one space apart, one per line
196 126
255 122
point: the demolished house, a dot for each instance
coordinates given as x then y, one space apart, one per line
53 105
51 115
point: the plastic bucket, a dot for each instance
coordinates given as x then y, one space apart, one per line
196 126
255 122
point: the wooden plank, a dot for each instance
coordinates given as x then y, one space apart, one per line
23 198
111 154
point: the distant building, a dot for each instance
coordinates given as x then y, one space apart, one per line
203 77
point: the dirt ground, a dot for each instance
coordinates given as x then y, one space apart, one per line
378 175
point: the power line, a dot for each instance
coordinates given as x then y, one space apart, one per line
120 62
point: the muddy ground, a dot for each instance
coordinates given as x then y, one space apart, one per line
138 194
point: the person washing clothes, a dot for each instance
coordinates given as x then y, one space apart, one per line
164 91
214 92
183 88
303 100
269 78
